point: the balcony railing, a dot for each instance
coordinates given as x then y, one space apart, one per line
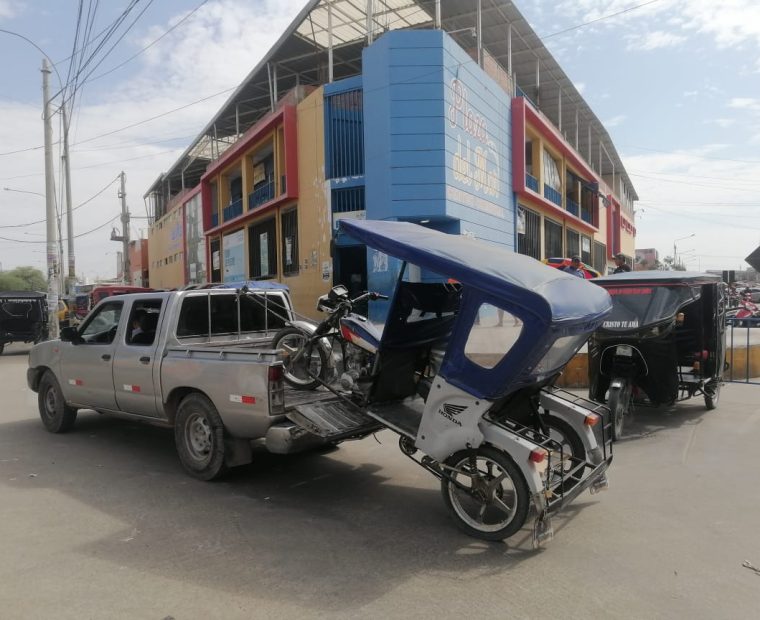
259 196
214 220
573 207
531 182
586 216
552 194
232 210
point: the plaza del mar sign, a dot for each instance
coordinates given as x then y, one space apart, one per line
476 163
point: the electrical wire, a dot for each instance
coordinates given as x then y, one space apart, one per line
82 204
92 230
598 19
151 44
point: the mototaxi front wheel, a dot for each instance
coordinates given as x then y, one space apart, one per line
712 394
304 369
486 493
619 402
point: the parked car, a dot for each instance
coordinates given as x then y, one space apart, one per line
23 317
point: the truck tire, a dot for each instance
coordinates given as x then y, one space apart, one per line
55 414
199 437
495 502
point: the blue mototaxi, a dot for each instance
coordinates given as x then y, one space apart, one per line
474 338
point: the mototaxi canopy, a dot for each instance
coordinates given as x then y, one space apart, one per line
550 303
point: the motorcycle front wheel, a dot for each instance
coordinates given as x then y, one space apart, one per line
486 493
304 370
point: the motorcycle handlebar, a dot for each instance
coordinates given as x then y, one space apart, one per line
369 295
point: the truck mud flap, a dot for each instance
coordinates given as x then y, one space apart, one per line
332 420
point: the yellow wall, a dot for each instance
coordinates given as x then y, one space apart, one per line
314 233
166 258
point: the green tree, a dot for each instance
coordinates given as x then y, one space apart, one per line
23 279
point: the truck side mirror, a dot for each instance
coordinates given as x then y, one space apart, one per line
70 334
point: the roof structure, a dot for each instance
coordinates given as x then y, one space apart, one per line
326 39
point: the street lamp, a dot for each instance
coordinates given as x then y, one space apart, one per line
675 249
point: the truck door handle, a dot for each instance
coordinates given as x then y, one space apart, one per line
145 359
105 357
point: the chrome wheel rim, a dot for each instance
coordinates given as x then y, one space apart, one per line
488 501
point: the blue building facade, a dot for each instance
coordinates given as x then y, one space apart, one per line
436 140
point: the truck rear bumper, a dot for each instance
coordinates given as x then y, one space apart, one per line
287 438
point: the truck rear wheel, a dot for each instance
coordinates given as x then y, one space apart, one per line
55 414
199 437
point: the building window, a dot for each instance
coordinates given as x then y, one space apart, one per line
586 255
600 257
572 242
289 224
262 249
344 133
529 233
552 239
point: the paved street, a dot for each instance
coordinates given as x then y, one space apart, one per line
103 523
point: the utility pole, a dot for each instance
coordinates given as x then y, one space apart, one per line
126 276
71 276
52 249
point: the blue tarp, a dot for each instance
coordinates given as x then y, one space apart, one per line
268 285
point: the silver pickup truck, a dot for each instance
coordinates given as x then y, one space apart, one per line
199 361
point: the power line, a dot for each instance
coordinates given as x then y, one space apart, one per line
598 19
738 161
92 230
90 199
147 120
151 44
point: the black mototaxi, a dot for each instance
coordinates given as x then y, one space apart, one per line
23 317
664 341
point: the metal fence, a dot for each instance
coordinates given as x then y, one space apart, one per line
742 340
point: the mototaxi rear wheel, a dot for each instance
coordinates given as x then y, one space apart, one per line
486 493
573 452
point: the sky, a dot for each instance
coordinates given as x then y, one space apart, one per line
675 82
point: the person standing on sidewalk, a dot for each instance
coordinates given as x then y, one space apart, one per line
621 265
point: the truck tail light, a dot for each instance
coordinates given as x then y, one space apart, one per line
276 389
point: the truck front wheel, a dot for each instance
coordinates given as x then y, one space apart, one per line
56 415
199 437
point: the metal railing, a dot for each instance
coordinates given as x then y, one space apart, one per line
259 196
531 182
573 207
740 337
232 210
552 194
